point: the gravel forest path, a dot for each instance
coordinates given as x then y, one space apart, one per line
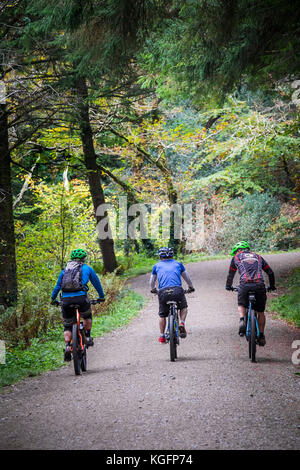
133 397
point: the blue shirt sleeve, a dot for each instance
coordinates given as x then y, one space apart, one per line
154 271
58 286
96 283
182 268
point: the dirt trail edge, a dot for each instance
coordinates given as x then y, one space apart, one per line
133 397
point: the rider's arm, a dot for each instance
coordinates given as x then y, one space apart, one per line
153 279
269 272
58 286
187 279
96 283
231 274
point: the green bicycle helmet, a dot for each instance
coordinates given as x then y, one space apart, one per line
78 254
240 246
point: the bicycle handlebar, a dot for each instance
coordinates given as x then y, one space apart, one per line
96 301
185 291
269 289
57 303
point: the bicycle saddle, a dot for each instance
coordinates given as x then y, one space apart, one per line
251 295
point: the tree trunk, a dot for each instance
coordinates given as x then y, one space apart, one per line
94 174
8 270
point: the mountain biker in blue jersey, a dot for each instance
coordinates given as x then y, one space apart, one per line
168 273
250 266
72 281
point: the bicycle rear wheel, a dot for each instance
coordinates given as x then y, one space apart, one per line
83 353
173 338
84 361
77 356
248 332
252 342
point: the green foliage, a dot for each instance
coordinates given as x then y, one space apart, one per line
98 38
212 140
30 318
249 218
208 47
65 222
46 351
286 229
245 218
248 150
288 305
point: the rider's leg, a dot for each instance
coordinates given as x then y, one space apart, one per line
261 298
242 315
86 314
261 320
67 322
87 324
67 336
162 325
183 314
241 311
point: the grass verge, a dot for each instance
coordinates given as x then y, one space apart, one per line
287 306
46 353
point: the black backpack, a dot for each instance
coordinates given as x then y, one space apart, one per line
71 281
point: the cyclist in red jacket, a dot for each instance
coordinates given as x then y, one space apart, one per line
250 266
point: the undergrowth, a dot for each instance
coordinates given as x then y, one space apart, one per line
287 306
46 351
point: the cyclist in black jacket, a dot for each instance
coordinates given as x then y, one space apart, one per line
250 266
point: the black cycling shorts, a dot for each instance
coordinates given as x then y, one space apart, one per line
69 313
260 296
170 293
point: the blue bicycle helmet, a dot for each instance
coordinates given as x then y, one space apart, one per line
165 252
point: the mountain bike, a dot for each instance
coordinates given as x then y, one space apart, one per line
252 330
172 330
78 343
172 333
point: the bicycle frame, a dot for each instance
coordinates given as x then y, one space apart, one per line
79 329
172 331
79 353
175 321
251 323
250 312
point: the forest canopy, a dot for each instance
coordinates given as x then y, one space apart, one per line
145 101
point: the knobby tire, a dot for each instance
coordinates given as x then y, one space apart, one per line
76 350
173 339
253 337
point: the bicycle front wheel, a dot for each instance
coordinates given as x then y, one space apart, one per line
76 350
173 339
